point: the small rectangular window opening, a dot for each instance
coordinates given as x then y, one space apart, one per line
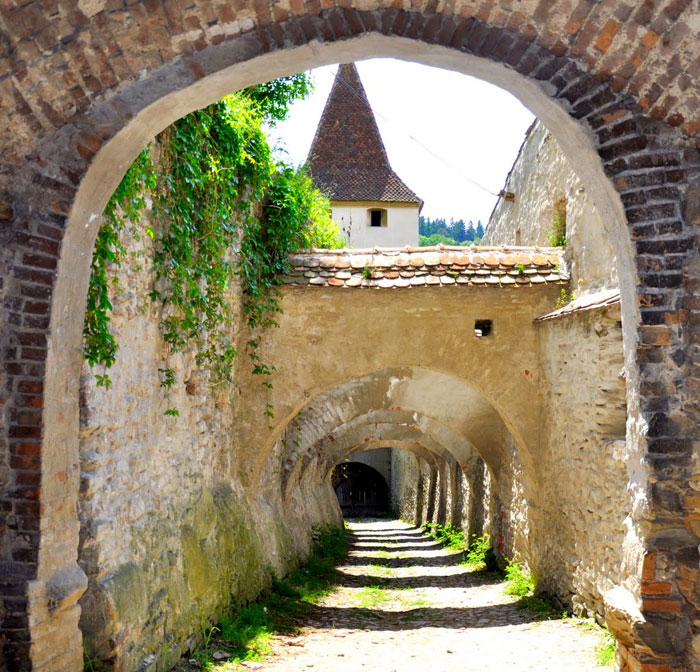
482 328
376 218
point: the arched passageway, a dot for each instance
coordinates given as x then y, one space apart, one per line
614 83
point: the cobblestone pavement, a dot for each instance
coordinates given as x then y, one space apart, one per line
405 604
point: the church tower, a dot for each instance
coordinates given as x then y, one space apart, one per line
348 163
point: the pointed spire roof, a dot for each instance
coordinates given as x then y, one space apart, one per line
347 158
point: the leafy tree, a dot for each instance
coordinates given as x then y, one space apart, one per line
436 239
274 98
479 230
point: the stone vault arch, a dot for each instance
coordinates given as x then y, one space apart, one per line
440 413
623 118
435 416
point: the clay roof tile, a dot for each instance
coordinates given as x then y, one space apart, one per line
347 158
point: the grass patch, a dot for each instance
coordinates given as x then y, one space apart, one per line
417 602
246 633
371 597
605 651
379 571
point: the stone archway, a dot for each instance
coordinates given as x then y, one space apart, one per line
441 418
622 117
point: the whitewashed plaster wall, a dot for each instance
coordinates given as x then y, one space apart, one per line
353 219
379 459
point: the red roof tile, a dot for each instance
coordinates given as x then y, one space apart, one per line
390 268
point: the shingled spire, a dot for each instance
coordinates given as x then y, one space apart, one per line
347 158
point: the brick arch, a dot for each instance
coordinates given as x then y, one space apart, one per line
617 86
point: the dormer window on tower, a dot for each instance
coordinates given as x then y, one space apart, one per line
377 216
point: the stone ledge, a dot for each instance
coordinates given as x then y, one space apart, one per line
597 301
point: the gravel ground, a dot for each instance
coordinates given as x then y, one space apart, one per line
404 604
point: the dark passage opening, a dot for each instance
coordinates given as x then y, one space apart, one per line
361 490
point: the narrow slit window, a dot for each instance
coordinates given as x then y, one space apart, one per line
482 328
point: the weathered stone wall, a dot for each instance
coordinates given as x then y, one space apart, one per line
168 535
583 475
406 485
574 546
545 185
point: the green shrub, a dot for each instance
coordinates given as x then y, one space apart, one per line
518 581
564 298
605 651
556 235
480 555
451 537
542 606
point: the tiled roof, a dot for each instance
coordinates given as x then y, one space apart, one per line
604 299
407 267
363 184
347 158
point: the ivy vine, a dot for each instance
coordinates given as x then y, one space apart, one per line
219 205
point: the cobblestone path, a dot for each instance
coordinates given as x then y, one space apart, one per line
405 604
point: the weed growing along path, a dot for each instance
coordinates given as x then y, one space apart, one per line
405 604
402 603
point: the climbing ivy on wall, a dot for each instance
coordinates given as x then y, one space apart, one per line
213 189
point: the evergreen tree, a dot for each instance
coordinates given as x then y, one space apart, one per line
454 232
458 231
471 232
423 224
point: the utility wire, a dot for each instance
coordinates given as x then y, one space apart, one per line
424 147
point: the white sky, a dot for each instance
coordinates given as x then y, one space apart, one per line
467 130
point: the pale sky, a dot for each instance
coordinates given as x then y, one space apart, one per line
467 131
